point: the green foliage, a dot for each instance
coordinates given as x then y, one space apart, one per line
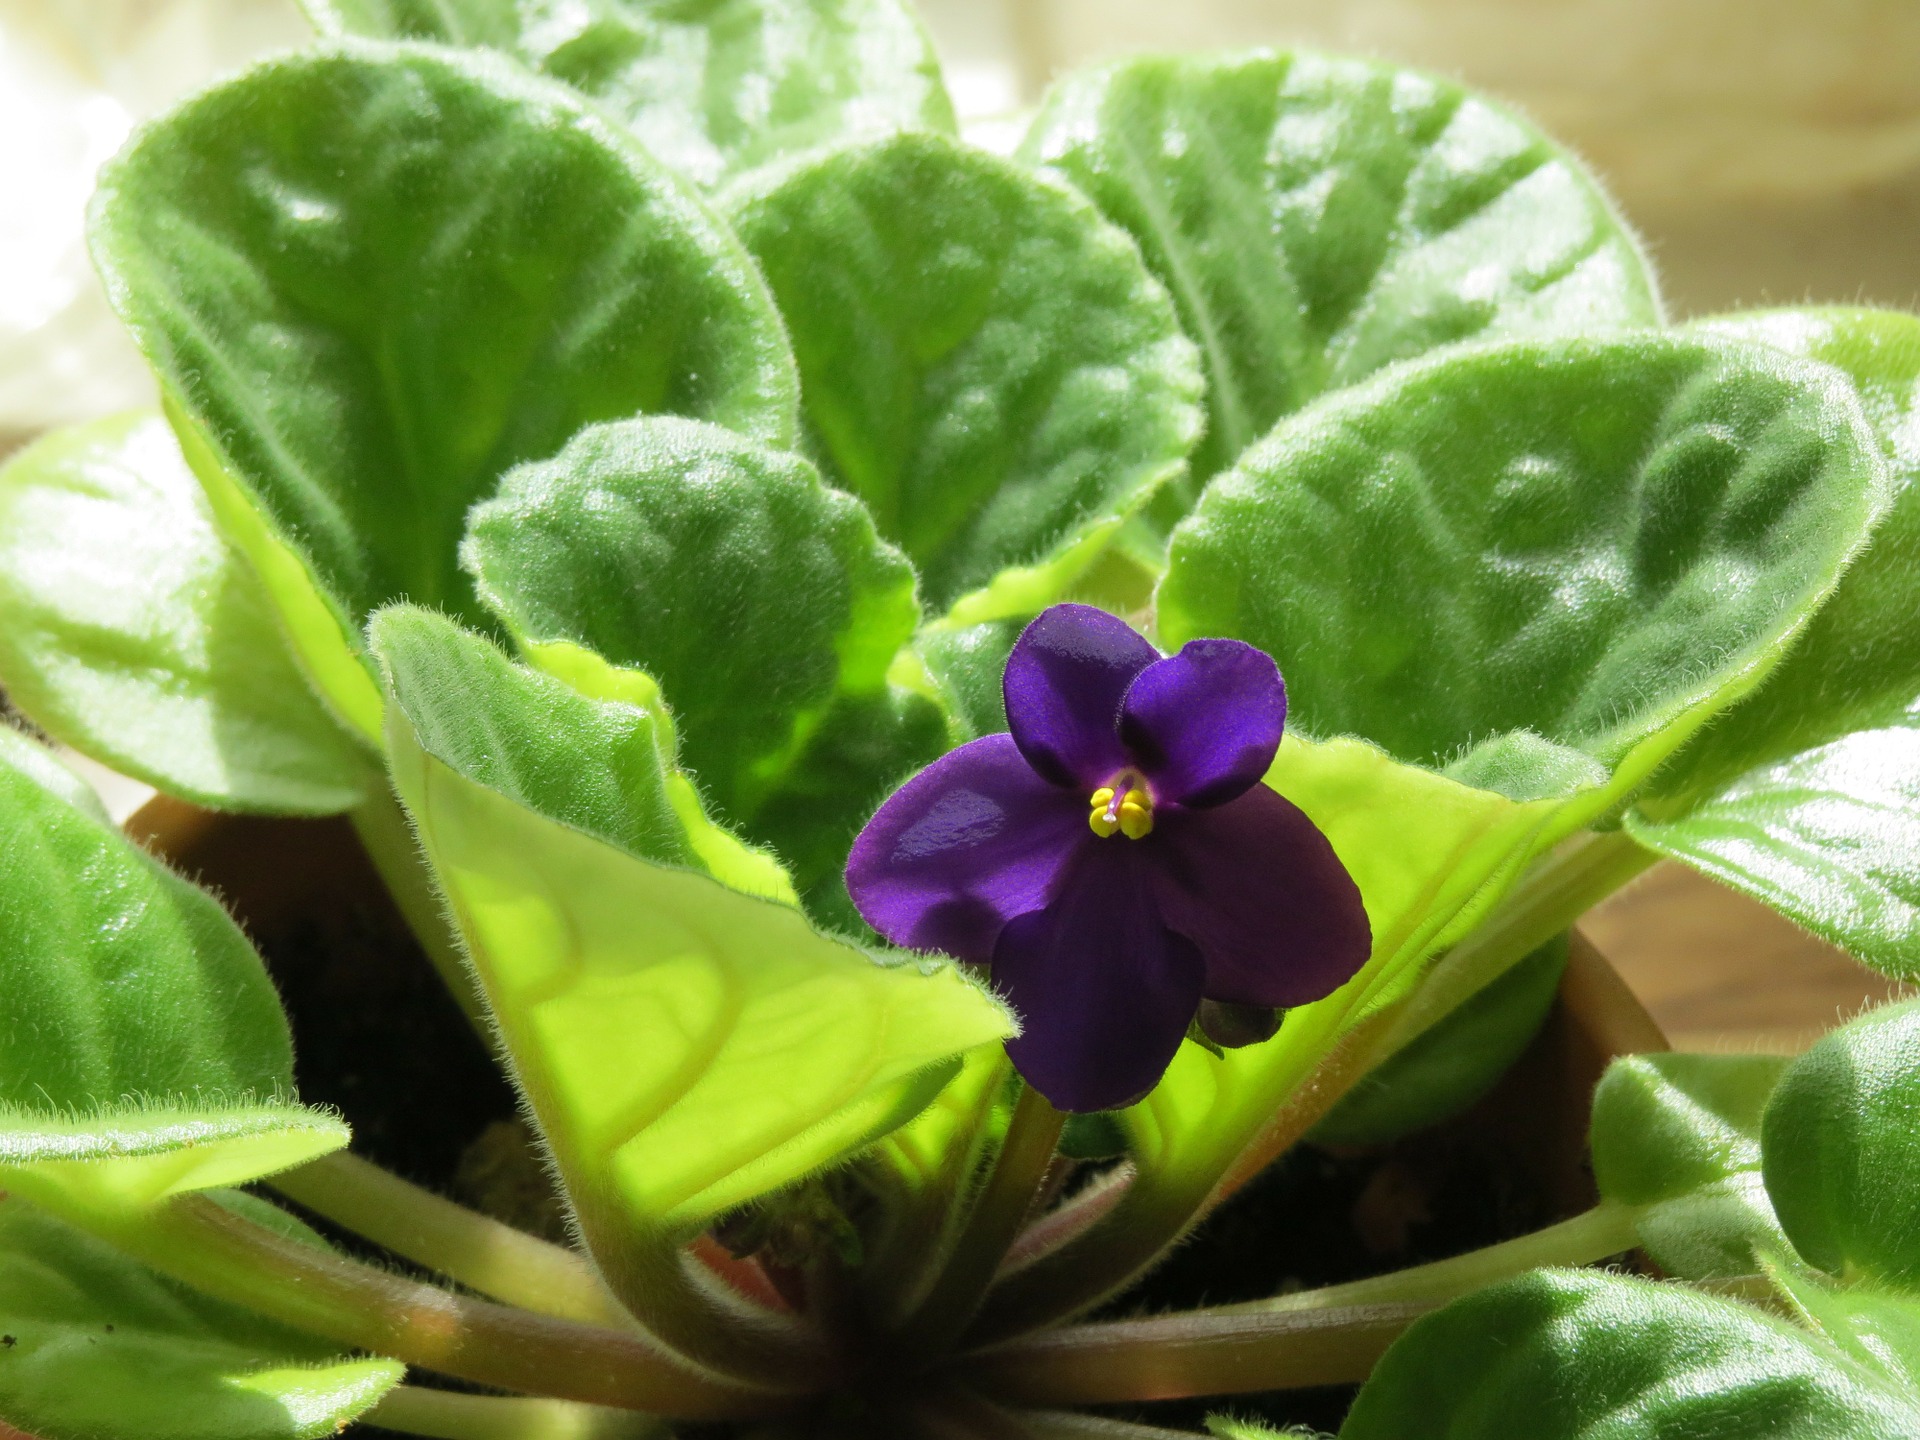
1677 1138
98 1347
1317 218
1806 795
761 601
1841 1150
1585 1356
373 278
136 634
983 360
712 89
1450 1066
1601 542
680 1067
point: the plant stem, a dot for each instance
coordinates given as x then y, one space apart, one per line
998 1213
445 1415
388 840
1081 1211
1066 1425
1316 1337
1160 1208
464 1245
210 1248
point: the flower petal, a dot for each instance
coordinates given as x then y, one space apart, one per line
1063 685
971 841
1104 990
1257 887
1203 725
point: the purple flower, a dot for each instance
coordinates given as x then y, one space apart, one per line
1116 859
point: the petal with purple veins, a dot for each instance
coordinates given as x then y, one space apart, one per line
1203 725
971 841
1103 989
1255 885
1064 683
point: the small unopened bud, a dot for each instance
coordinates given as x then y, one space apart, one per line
1232 1026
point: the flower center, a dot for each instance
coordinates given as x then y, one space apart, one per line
1124 806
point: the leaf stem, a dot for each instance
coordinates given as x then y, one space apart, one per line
461 1244
1316 1337
998 1213
214 1250
445 1415
388 840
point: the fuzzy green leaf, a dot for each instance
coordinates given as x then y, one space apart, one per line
136 634
761 601
373 278
98 1347
1806 795
1318 218
686 1046
1575 1355
1540 550
983 360
713 89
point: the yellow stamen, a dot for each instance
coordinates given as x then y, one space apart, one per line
1130 813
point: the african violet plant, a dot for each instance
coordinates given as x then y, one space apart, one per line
608 451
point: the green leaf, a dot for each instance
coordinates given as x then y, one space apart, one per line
1453 1064
1586 546
966 664
143 1051
983 360
38 762
1876 1328
713 89
373 278
1805 795
98 1347
1841 1149
1677 1137
137 635
761 601
686 1047
1576 1355
1318 218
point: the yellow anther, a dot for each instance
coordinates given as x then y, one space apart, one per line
1136 815
1104 820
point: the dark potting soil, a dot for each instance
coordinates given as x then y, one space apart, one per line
378 1037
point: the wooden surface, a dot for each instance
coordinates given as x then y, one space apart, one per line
1721 972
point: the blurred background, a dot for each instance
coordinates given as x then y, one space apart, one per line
1767 150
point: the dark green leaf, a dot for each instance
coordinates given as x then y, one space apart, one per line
1576 1355
1677 1137
712 88
98 1347
1453 1064
761 601
1806 795
373 278
1841 1149
1601 543
1317 218
136 634
983 360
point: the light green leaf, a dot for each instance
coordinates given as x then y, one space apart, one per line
1677 1137
1576 1355
136 634
1592 545
714 88
761 601
98 1347
38 762
686 1047
1805 795
983 360
1450 1066
1878 1329
1841 1150
1318 218
142 1049
373 278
